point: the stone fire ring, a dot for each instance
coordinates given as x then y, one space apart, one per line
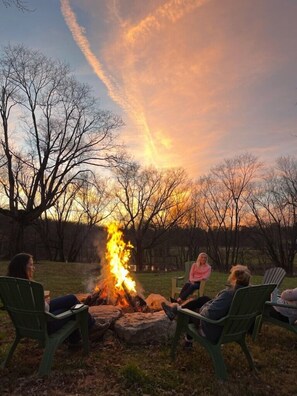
137 328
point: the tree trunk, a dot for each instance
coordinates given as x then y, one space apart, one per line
16 240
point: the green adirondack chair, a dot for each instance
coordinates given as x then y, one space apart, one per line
274 275
271 275
269 319
24 302
247 303
178 281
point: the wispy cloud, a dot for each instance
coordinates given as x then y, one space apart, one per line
197 78
81 40
126 93
125 100
171 11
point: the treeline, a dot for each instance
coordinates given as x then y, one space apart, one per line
239 212
63 176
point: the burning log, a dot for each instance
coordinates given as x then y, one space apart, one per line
136 302
95 299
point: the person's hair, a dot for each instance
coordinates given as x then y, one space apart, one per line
17 268
198 261
240 275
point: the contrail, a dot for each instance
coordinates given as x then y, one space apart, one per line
130 105
79 37
171 11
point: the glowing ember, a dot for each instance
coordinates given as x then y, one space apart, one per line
115 279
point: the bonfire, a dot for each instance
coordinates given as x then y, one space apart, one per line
115 285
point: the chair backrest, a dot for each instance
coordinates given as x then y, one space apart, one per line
188 265
24 302
247 304
274 275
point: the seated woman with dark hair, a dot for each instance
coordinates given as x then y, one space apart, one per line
215 308
22 266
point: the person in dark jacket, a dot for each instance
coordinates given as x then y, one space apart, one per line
215 308
22 266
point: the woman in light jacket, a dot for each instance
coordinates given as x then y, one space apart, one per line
288 315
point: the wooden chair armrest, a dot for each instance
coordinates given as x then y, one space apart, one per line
66 314
275 304
179 277
186 311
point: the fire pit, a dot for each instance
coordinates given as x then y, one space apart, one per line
118 300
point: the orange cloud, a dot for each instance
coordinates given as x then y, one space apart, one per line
171 12
185 72
129 103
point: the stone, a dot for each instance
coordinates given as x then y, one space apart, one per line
106 313
154 301
145 328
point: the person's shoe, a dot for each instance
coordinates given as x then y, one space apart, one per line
173 300
169 311
96 332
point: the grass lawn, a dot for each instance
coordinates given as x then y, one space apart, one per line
113 368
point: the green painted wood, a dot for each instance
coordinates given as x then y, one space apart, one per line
247 304
274 275
24 302
266 318
178 282
271 275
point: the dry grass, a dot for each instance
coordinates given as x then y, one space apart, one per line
113 368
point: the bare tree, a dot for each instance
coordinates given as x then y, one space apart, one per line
274 205
223 195
85 203
190 236
150 202
55 226
52 131
19 4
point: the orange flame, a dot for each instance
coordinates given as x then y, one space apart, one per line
115 278
117 255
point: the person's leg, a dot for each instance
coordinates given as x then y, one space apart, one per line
195 306
188 289
62 304
59 305
184 291
277 315
197 303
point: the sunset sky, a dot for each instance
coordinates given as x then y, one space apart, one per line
195 81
